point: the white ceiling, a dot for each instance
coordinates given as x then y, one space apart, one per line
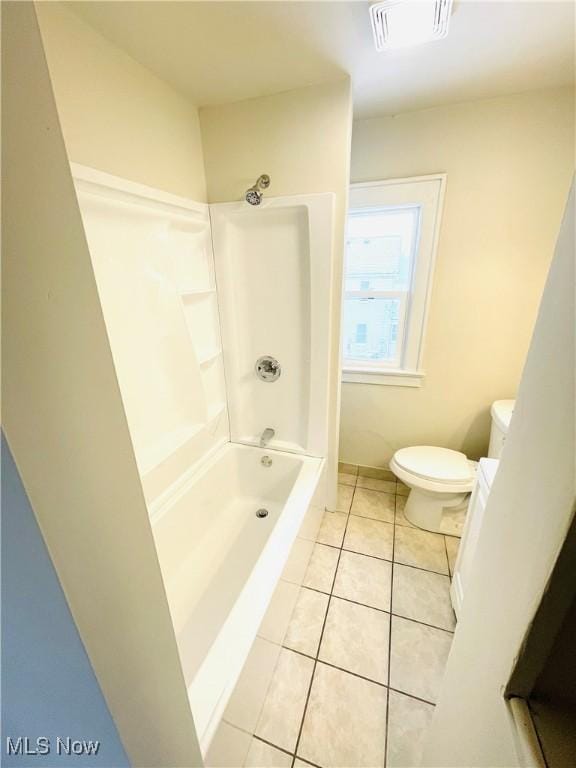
217 52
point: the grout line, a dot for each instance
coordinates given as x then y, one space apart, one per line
375 557
300 653
411 696
371 608
423 623
447 559
376 490
297 757
354 674
270 744
322 634
397 562
419 568
375 519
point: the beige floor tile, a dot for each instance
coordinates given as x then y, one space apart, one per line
332 529
374 504
402 489
423 596
422 549
344 499
356 639
408 720
369 537
452 545
347 469
376 472
344 478
418 656
261 755
229 747
321 569
400 517
283 707
345 723
365 580
305 626
375 484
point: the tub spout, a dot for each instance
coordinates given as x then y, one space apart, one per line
266 436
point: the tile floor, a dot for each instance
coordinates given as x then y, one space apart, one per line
363 657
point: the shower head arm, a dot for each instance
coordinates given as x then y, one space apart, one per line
263 181
253 194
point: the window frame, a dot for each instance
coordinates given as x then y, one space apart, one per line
427 193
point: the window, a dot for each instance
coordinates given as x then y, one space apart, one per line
391 237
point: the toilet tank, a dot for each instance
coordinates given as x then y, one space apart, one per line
501 413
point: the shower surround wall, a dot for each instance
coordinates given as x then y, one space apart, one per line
152 256
273 268
154 267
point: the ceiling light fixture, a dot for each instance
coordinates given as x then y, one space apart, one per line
402 23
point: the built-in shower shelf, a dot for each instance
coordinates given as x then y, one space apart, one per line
214 411
209 358
167 445
196 293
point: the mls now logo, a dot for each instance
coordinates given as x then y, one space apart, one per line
23 745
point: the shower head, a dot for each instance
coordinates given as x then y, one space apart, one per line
254 194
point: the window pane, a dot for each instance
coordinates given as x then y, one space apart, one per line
379 249
371 329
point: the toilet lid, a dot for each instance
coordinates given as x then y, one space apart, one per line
439 464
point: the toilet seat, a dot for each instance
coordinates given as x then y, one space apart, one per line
436 469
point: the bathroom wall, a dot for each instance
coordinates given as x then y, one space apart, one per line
509 162
116 115
527 517
301 138
64 421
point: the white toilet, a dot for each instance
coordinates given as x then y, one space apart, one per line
441 480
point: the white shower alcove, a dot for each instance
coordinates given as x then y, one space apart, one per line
192 296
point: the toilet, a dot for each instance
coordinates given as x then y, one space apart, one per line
441 480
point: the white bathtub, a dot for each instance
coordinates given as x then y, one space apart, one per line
221 563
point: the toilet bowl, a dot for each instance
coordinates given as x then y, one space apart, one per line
440 482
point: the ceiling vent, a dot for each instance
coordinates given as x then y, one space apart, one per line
402 23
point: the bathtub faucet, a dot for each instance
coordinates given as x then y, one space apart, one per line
266 436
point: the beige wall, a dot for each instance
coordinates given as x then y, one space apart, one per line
116 115
526 520
509 162
301 138
65 423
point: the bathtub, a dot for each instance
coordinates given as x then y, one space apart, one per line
221 562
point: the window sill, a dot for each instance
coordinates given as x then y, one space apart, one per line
384 378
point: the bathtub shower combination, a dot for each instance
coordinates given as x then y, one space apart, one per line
222 359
